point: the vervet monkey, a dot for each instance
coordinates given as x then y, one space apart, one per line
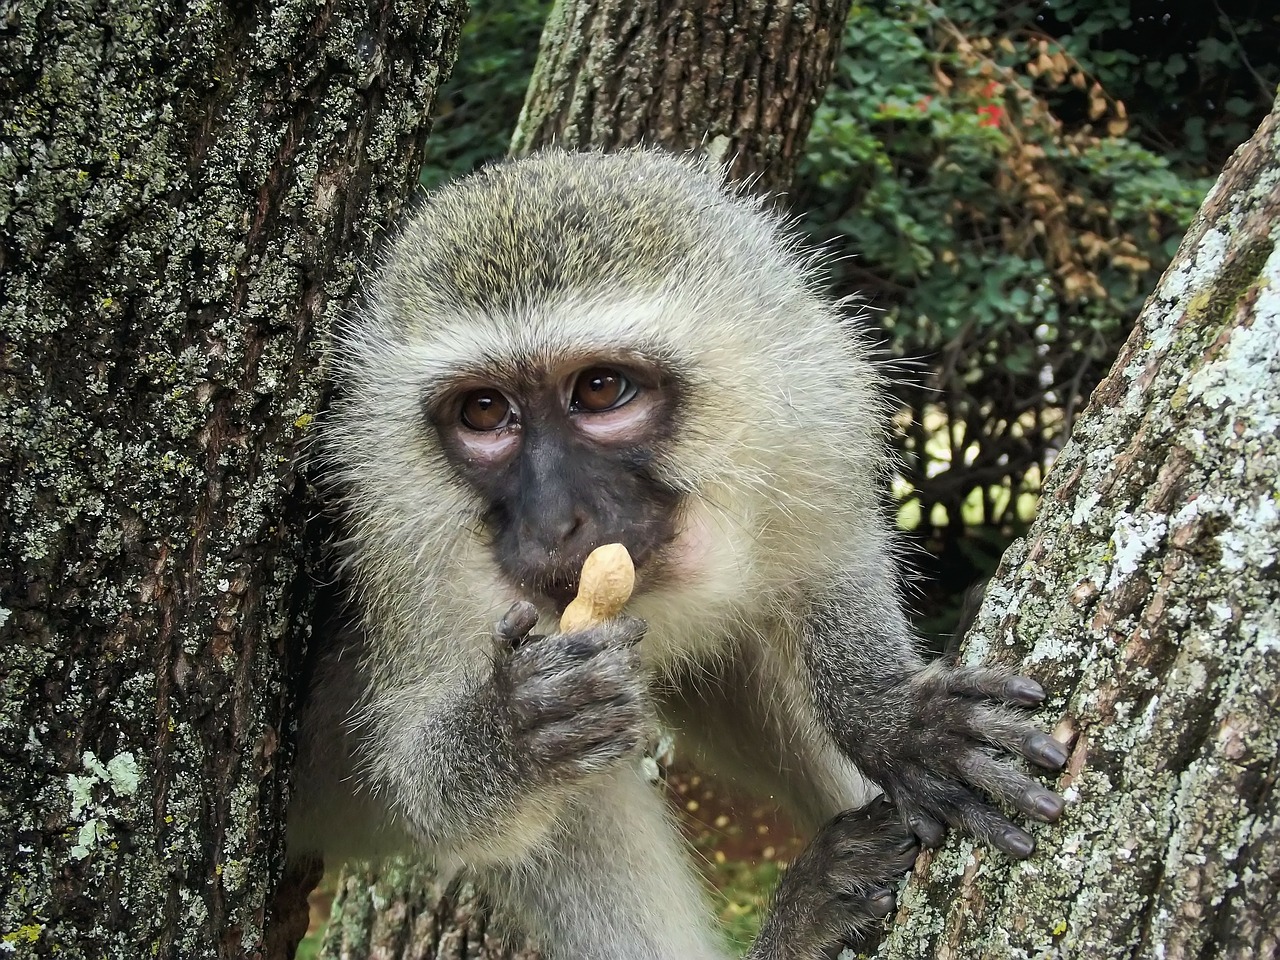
574 349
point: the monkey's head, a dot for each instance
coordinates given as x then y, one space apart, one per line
577 349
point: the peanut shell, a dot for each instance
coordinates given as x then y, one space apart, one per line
608 577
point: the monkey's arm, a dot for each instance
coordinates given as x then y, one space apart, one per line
925 732
477 765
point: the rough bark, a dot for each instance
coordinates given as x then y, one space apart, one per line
186 191
739 78
1147 598
398 911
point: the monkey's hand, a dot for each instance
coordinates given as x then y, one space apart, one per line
840 888
575 702
928 740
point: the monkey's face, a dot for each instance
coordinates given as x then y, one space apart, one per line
562 455
576 349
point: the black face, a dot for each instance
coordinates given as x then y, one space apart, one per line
564 458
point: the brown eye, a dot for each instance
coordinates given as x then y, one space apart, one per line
599 389
485 410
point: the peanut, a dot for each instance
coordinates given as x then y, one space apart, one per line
608 577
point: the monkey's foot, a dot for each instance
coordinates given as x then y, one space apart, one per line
841 887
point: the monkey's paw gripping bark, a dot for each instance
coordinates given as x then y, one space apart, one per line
575 702
928 742
841 886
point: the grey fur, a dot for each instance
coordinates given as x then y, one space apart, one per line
777 649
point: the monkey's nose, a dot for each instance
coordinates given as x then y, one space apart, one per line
553 531
570 527
562 534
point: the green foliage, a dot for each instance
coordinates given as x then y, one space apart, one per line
744 889
309 948
477 110
1010 207
741 888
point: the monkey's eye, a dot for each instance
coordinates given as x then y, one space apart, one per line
486 409
599 389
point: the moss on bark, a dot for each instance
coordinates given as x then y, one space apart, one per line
187 192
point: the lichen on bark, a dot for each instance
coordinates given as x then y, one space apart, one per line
400 911
1146 599
738 81
188 190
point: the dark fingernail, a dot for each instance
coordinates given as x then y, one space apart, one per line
1024 690
1048 806
880 902
906 844
1016 844
929 832
1047 751
518 621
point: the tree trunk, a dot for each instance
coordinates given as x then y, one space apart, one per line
1146 598
739 79
186 192
398 911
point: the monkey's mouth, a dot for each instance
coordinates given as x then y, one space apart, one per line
560 592
559 585
555 587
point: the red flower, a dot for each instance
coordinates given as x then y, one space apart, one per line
991 113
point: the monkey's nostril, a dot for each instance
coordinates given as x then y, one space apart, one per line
571 527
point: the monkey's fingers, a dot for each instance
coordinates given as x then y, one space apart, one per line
929 830
561 653
932 799
990 683
1008 731
843 880
591 740
991 826
514 627
620 630
1012 786
567 674
872 840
